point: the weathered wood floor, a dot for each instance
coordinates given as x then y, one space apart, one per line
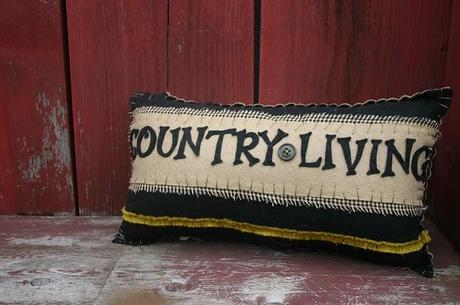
72 261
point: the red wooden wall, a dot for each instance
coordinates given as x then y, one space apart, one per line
35 151
351 50
72 65
445 179
115 48
199 49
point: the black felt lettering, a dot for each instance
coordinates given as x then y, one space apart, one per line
328 162
133 147
271 144
186 140
161 138
305 139
146 132
352 164
425 165
220 139
373 170
392 151
242 148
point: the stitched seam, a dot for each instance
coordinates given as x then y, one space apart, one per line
302 118
349 205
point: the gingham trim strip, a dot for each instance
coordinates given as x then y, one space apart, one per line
301 118
349 205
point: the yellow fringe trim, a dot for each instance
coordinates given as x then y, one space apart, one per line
358 242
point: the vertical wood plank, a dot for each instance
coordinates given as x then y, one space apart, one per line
397 47
116 47
316 51
211 50
303 51
35 155
445 184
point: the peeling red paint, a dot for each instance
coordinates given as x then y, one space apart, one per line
35 156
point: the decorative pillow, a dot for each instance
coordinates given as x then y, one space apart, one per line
319 176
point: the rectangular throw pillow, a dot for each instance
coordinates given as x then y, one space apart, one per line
344 177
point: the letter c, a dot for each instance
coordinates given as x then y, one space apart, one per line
146 132
133 134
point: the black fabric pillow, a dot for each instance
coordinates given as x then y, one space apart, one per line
340 177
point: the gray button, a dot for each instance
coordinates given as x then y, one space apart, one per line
286 152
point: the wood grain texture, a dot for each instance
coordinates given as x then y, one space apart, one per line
35 155
447 165
334 51
211 50
116 48
119 47
72 260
